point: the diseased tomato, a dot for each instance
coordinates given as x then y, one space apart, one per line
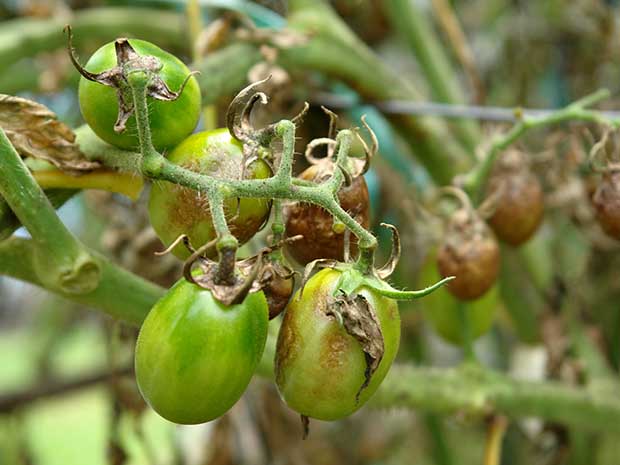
470 253
319 366
443 310
519 206
606 201
316 224
195 356
170 121
176 210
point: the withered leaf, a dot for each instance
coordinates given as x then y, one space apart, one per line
360 321
35 131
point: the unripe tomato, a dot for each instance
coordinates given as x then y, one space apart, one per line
319 366
606 201
443 311
176 210
316 224
170 122
471 253
195 356
520 204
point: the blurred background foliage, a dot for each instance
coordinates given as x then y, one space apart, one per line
65 397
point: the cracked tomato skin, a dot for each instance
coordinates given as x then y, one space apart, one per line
319 367
171 122
195 356
176 210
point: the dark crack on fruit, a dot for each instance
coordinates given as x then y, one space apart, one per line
360 321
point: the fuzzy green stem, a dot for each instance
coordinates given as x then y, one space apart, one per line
279 186
475 181
120 293
62 262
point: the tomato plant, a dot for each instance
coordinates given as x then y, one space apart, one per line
176 210
171 121
320 368
196 356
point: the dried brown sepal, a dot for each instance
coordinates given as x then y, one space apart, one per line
34 131
359 320
236 287
239 124
127 61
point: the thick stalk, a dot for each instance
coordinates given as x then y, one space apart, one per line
62 262
120 293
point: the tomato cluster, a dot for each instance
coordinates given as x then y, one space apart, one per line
202 342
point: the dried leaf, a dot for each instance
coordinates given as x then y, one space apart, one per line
35 131
360 321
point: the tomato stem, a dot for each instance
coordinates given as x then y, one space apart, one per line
475 181
280 186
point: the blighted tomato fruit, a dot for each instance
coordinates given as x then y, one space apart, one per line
195 356
606 201
316 225
322 369
519 200
471 253
175 210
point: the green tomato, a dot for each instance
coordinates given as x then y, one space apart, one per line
194 356
319 366
443 310
171 122
176 210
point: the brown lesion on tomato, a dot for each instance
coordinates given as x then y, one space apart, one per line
471 253
606 202
287 348
317 225
517 198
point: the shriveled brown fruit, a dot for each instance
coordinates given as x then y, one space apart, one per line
606 201
519 199
471 253
278 292
316 224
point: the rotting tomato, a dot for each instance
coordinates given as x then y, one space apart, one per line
471 253
606 201
443 311
195 356
316 225
171 119
176 210
321 369
519 206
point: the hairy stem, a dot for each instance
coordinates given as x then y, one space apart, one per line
62 262
475 181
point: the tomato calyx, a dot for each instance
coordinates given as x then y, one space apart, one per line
230 281
238 122
128 61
